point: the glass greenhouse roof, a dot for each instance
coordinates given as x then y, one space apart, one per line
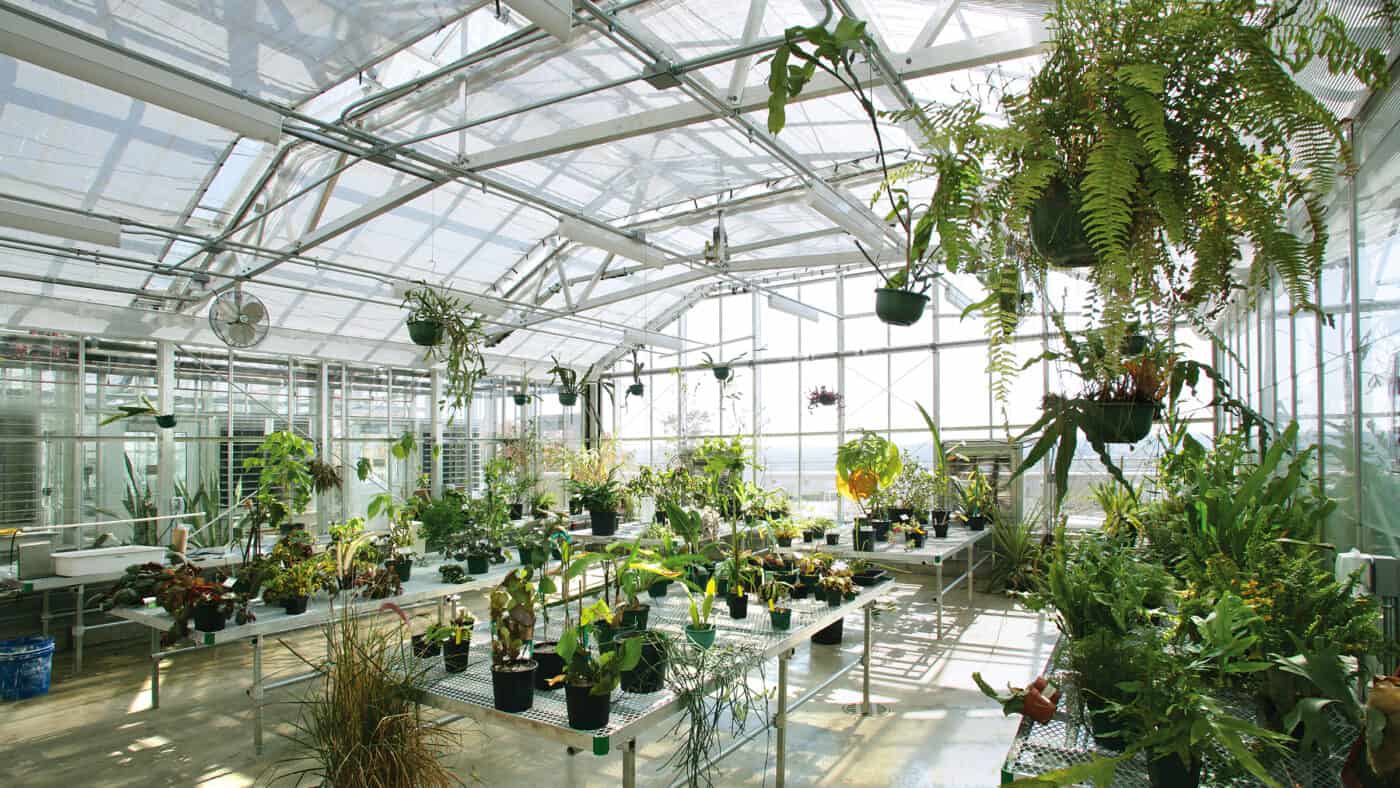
445 142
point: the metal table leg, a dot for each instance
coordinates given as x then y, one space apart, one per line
865 669
629 764
45 614
257 695
78 629
155 668
971 569
938 592
781 720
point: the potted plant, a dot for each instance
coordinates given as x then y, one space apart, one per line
774 592
293 585
785 531
823 397
475 542
401 538
145 407
701 629
443 323
513 628
636 388
835 586
379 583
723 370
649 674
978 500
456 638
186 596
429 642
602 499
452 574
635 572
865 466
914 535
589 677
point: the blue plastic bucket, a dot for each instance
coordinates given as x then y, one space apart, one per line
26 664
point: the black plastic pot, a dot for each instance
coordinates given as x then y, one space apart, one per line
738 606
658 589
899 307
296 605
1169 771
636 390
454 655
165 421
914 540
425 332
478 564
869 577
833 538
402 566
513 686
1102 725
977 522
650 673
722 373
659 516
799 591
548 665
832 597
568 398
208 618
520 399
423 649
785 541
882 530
603 523
1057 233
721 586
636 618
863 539
940 529
531 556
517 511
1118 422
587 712
808 580
831 636
809 537
780 618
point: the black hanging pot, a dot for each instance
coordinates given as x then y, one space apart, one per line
722 373
513 686
209 618
899 307
587 712
454 654
427 333
636 390
295 605
1117 422
520 399
603 523
549 663
650 673
1057 233
165 421
831 635
568 398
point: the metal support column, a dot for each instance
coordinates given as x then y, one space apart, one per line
165 462
155 668
323 438
79 627
257 693
840 377
780 721
865 669
345 469
629 764
435 424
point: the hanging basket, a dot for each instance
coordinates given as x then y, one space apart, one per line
722 373
165 421
1057 234
899 307
636 390
1117 422
568 398
520 399
427 333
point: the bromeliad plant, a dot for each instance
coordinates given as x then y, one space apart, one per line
976 496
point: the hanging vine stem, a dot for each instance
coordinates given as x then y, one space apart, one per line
711 684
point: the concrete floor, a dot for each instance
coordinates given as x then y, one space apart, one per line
98 729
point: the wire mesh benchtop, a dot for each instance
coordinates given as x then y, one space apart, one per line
470 693
895 551
1067 741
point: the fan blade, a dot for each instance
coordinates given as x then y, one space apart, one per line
224 310
254 311
242 334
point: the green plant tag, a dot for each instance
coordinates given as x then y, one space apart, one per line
602 745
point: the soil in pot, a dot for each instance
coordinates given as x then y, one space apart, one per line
548 665
831 635
636 617
650 673
1169 771
295 606
208 618
833 539
478 564
513 685
703 638
423 649
587 712
780 618
454 655
603 523
427 333
402 566
899 307
738 606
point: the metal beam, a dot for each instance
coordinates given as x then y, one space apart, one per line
753 25
941 59
938 19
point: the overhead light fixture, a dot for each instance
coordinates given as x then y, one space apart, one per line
653 339
555 17
860 222
792 307
33 39
611 241
73 225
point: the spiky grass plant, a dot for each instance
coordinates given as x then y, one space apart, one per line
362 726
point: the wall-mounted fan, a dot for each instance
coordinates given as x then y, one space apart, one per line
239 319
